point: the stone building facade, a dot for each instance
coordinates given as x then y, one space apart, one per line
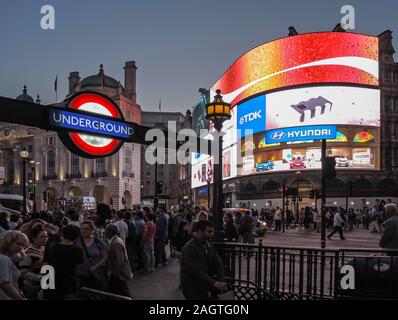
60 174
175 178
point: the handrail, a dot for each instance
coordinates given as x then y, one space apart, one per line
106 295
250 245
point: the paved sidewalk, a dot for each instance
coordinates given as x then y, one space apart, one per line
159 285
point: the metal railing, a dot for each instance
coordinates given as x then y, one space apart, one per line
99 174
92 294
276 272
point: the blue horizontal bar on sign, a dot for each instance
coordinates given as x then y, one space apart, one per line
318 132
91 124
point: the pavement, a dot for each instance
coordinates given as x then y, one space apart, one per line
163 283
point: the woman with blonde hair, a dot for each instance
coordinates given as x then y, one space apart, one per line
11 243
30 266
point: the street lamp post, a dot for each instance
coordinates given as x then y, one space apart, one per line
33 167
218 111
24 155
297 196
208 180
208 191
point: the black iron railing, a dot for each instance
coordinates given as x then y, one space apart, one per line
91 294
99 174
274 272
50 177
73 175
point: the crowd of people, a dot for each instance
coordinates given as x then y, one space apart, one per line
99 249
102 249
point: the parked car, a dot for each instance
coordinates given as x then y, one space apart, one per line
264 166
297 164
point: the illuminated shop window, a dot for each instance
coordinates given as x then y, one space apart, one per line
263 144
340 137
364 136
248 146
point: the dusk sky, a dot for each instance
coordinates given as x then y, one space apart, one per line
178 45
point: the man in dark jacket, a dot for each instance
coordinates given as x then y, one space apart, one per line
202 269
231 234
389 238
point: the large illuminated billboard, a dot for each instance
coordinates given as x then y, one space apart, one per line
306 59
294 91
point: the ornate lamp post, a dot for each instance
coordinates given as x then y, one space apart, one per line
24 155
297 197
208 180
218 111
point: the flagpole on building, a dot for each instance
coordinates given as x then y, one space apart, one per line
160 110
56 89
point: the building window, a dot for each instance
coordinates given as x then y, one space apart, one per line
51 163
51 140
127 160
387 103
100 165
75 165
10 171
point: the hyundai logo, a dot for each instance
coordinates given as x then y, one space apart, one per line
278 135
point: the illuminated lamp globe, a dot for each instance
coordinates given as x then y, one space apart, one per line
24 153
218 111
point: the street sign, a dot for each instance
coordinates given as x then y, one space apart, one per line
89 145
89 124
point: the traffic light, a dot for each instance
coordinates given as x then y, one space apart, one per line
330 168
312 194
123 201
290 191
44 196
159 187
31 196
111 201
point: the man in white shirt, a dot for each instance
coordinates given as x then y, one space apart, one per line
338 225
121 225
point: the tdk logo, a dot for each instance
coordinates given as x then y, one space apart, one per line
278 135
250 117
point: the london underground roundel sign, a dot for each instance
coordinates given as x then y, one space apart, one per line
89 145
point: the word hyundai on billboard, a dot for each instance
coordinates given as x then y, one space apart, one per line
300 134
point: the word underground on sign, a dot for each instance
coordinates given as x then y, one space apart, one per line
69 120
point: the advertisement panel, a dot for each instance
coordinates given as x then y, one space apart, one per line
323 105
322 57
291 92
202 167
251 116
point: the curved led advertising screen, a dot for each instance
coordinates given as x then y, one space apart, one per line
290 93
